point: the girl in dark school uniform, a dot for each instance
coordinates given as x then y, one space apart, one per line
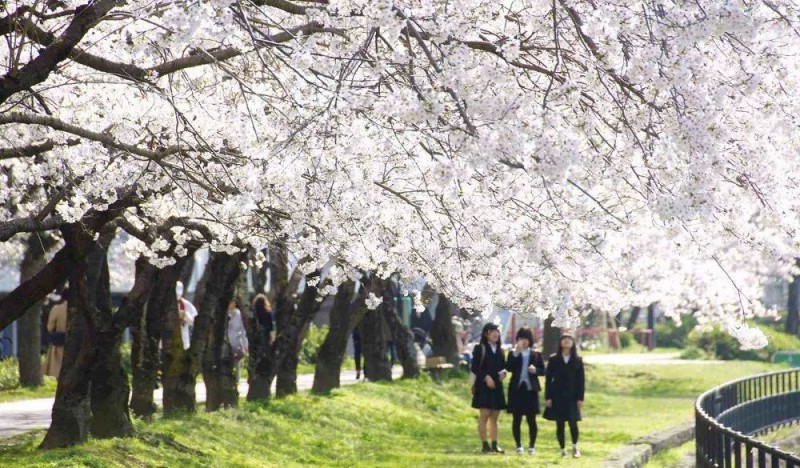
488 367
564 388
525 365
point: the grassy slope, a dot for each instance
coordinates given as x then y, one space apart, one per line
401 424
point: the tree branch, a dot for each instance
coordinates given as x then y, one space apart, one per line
38 69
104 138
26 151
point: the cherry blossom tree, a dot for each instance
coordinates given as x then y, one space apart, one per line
540 154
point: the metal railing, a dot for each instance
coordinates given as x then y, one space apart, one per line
727 416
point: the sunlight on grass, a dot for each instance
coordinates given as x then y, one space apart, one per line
406 423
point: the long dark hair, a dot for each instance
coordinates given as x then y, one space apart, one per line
486 329
527 333
262 309
573 352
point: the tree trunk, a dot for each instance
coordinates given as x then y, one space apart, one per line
793 307
550 338
633 317
443 334
109 389
179 367
218 365
146 337
71 416
286 379
29 331
401 336
377 365
331 353
289 334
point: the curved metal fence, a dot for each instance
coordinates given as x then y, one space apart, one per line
727 416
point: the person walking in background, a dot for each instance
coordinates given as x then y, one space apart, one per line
525 365
263 310
57 335
488 369
237 336
187 313
357 352
564 391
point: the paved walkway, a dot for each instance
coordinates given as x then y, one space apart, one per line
624 359
25 415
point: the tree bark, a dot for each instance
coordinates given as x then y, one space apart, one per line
290 332
377 365
218 366
331 353
443 334
286 378
29 330
146 337
71 416
401 335
264 363
550 338
633 317
179 367
109 389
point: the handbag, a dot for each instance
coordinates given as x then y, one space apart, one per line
473 378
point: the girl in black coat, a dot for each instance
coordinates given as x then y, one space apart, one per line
564 388
525 365
488 367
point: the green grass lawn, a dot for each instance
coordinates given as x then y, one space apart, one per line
48 390
406 423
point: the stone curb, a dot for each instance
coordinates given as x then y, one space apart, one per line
641 450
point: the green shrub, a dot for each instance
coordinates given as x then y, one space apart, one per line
671 335
719 344
625 339
313 340
693 352
9 374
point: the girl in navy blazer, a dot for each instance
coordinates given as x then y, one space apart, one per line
564 388
489 369
525 365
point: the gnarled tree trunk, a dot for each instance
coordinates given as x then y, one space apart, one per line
443 334
377 365
331 353
219 373
109 389
288 339
401 335
147 332
71 416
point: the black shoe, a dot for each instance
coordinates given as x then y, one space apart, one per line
497 449
486 448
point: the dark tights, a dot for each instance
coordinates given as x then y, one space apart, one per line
573 431
532 429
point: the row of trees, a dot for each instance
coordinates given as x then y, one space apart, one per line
540 154
93 390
